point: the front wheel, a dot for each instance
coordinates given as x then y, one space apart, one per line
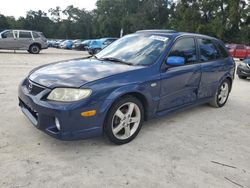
221 95
124 120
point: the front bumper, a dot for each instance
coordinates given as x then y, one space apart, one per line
243 71
43 113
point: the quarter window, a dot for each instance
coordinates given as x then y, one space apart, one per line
185 48
222 50
35 35
23 34
208 50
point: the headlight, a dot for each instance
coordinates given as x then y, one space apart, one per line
68 94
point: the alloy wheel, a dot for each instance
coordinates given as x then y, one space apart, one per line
223 93
126 120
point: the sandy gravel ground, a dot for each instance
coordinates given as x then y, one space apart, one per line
173 151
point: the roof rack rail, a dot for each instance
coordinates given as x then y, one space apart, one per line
157 30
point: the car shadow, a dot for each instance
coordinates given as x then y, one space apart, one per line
102 141
13 52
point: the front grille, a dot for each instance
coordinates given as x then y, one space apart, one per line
33 88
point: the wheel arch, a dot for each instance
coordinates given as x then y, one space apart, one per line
231 82
227 76
138 95
141 98
36 43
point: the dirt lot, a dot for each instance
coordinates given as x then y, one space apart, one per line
173 151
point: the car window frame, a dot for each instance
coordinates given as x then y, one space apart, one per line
31 36
35 33
218 43
164 65
214 41
6 32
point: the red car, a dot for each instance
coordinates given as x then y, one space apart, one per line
240 51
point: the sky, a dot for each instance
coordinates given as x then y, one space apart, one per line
19 8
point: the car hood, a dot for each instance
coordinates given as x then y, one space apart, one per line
75 73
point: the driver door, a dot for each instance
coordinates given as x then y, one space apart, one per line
179 84
8 40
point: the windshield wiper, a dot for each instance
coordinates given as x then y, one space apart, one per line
116 60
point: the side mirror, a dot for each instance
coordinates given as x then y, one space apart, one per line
175 60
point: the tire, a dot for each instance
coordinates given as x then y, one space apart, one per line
34 49
221 95
242 77
124 120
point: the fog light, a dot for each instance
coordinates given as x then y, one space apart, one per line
58 126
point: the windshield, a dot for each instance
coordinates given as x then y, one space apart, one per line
136 49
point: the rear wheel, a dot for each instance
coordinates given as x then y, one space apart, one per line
124 120
221 95
242 77
34 49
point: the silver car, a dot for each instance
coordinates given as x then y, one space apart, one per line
32 41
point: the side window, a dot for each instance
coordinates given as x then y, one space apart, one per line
222 50
24 34
35 35
185 48
7 34
208 50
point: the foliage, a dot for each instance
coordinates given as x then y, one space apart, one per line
228 20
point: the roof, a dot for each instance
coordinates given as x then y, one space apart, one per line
173 33
21 30
157 31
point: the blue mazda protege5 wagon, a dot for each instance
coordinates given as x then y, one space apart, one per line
140 76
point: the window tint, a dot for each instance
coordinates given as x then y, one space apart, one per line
185 48
8 34
208 50
222 50
23 34
35 35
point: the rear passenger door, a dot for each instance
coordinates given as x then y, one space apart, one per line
24 40
213 66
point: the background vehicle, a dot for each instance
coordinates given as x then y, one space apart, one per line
51 42
57 43
82 45
243 69
96 46
67 44
140 76
32 41
239 51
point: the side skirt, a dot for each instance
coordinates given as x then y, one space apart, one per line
182 108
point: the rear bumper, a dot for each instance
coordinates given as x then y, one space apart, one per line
42 115
45 46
